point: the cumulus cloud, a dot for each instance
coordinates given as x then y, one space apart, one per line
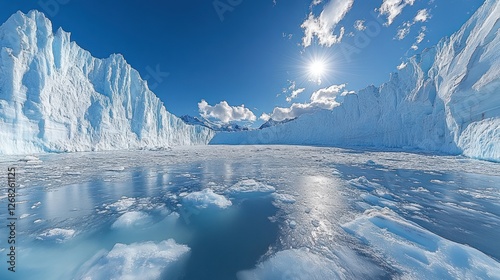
325 98
225 113
322 26
359 25
422 15
265 117
392 8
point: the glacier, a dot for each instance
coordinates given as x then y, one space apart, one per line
446 99
56 97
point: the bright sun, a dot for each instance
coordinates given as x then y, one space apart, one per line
317 69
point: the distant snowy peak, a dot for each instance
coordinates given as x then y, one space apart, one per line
54 96
229 127
445 99
272 122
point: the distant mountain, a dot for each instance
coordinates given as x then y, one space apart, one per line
446 99
55 97
272 122
230 127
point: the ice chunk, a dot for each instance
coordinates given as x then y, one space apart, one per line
144 261
294 264
206 199
284 198
249 188
31 159
57 234
131 219
123 204
364 184
36 205
417 252
116 168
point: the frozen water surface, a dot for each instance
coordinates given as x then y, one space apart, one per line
255 212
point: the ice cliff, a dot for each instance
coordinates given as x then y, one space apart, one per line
446 99
55 97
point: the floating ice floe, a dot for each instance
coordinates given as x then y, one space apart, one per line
123 204
36 205
294 264
417 252
143 261
206 199
57 234
250 188
130 203
131 219
284 198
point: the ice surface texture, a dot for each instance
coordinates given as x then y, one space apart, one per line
445 99
146 260
55 97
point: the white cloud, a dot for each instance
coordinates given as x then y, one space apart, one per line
392 8
422 15
404 30
359 25
402 65
325 98
327 95
294 94
225 113
419 38
322 27
265 117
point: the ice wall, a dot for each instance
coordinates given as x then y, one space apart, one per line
56 97
446 99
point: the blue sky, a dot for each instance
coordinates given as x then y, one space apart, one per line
294 55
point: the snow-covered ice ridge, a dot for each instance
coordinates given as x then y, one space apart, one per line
54 96
445 99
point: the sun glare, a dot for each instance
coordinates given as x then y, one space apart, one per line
317 69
